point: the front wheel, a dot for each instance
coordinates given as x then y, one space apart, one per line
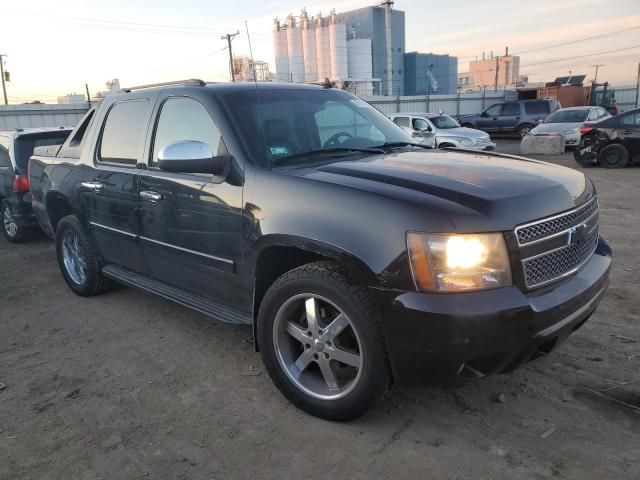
320 340
78 258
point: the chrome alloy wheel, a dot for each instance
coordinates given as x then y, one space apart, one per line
317 346
10 225
73 256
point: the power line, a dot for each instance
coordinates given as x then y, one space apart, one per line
581 56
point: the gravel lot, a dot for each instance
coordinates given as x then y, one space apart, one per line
127 385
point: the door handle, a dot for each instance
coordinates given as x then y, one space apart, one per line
95 186
151 197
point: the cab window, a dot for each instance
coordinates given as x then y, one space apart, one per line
494 110
420 124
631 120
402 122
123 133
184 118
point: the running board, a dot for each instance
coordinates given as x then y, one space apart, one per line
177 295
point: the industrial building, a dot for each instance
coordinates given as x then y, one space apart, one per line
482 73
361 50
247 70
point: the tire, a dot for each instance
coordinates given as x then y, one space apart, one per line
13 232
447 145
524 129
326 289
613 156
78 258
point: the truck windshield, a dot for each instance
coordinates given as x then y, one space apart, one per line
279 123
444 121
25 144
567 116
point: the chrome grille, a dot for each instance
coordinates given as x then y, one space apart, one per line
555 247
548 227
559 263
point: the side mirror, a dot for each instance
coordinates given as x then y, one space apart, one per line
190 156
428 129
484 114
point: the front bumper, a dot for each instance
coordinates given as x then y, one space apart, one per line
450 339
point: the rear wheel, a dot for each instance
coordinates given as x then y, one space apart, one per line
78 258
614 156
12 231
524 129
320 340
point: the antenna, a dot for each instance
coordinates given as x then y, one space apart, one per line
253 63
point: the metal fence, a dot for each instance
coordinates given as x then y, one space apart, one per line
625 96
40 115
453 104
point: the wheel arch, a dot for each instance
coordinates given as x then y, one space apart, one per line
58 206
277 254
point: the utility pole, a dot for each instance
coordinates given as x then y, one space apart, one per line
4 87
497 71
595 77
638 85
228 37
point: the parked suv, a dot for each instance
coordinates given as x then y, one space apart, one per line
511 117
358 256
16 146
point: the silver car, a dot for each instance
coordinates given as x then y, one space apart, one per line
438 130
567 122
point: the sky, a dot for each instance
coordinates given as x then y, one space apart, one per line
55 47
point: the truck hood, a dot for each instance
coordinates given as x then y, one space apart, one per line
476 191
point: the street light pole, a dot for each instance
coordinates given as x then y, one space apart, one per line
4 87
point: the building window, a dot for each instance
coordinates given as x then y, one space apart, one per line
399 72
399 49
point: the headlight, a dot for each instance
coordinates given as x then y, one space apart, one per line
571 131
453 263
467 142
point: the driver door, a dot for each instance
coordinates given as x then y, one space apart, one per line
424 131
489 120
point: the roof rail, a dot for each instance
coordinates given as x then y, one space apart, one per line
189 81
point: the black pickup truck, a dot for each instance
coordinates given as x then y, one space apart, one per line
359 258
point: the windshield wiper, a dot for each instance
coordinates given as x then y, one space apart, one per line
402 144
325 151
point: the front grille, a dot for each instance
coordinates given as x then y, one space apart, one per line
549 249
545 228
559 263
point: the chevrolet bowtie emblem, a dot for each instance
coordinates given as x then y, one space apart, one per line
577 234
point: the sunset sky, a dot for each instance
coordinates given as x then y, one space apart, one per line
53 48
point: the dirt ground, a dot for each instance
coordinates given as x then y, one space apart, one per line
126 386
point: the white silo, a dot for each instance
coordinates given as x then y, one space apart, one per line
323 48
296 53
360 65
281 52
339 56
309 48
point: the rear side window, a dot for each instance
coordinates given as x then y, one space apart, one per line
183 118
537 108
402 122
5 161
124 131
511 109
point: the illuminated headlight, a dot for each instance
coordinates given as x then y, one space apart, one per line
454 263
571 131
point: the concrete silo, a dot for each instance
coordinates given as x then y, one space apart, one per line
339 55
296 52
323 48
309 48
281 52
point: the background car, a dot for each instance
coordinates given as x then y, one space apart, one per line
518 117
567 122
438 130
613 142
15 198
